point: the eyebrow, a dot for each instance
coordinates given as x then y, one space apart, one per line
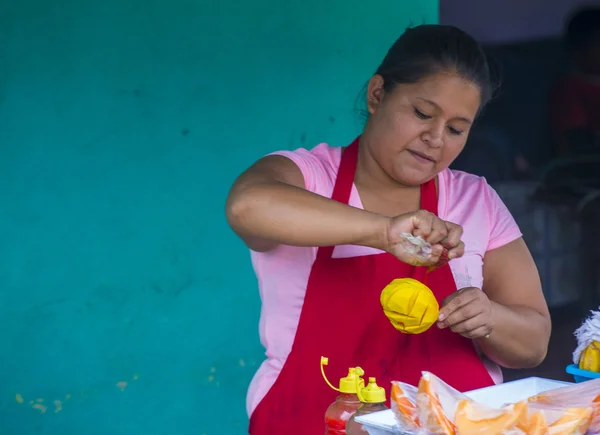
433 103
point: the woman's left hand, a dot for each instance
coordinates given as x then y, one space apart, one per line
467 312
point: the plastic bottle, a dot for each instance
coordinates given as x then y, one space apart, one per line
373 400
346 403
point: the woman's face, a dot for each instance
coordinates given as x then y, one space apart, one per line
417 130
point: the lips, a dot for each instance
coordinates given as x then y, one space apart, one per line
422 155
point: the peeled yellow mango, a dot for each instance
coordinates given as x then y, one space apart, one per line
590 357
409 305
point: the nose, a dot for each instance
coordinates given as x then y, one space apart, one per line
434 135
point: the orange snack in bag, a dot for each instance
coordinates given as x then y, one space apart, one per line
403 405
573 421
537 424
473 418
435 408
432 415
582 395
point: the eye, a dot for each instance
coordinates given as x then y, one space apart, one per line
420 114
454 131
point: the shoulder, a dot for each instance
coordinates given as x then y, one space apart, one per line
318 165
465 191
463 186
469 201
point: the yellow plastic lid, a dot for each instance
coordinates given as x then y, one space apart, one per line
372 393
347 384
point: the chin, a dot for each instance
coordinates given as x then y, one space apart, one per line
412 177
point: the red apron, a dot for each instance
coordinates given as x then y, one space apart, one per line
342 319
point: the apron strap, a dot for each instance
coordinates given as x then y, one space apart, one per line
343 185
346 172
429 197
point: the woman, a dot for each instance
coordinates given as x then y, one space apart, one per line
292 208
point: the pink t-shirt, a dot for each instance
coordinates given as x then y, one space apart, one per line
283 273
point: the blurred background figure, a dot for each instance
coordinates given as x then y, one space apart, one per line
574 104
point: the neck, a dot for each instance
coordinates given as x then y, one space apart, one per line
370 175
379 192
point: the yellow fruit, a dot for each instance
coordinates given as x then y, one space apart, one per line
410 305
590 357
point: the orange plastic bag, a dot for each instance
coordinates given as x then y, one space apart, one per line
582 395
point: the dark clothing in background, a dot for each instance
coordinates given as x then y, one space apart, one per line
574 110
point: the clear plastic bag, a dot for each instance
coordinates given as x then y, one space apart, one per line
428 409
474 418
547 420
420 249
435 408
436 405
521 418
403 399
443 410
582 395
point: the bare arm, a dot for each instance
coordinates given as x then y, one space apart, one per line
268 206
520 317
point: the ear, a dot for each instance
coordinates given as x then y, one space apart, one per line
374 93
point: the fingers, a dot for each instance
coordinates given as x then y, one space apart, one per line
457 251
466 312
453 242
458 307
439 232
473 328
441 235
432 228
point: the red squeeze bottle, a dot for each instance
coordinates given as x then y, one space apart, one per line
346 403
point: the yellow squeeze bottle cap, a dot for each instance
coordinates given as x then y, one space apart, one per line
349 383
372 393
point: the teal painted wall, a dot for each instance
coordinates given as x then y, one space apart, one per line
126 304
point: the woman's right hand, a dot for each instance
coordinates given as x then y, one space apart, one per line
439 233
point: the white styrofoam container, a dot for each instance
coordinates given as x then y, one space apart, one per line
384 423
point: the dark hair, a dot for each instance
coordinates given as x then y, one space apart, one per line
581 27
428 49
